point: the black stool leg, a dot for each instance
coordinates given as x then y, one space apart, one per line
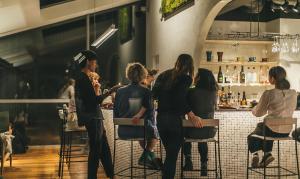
114 157
70 148
297 159
219 154
10 160
248 162
181 161
60 154
131 161
216 160
2 158
264 146
278 156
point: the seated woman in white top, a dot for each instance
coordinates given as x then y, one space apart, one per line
278 102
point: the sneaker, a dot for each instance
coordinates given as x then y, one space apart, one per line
203 168
156 162
188 166
145 159
266 160
255 161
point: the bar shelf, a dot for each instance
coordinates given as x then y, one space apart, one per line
245 84
234 63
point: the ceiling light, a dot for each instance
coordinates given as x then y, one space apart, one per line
106 35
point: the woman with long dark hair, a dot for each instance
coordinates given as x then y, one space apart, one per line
170 89
278 102
202 100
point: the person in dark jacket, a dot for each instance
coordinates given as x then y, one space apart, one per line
170 89
202 100
90 115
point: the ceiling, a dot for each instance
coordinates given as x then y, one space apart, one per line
44 30
242 10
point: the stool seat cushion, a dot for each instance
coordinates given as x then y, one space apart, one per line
271 138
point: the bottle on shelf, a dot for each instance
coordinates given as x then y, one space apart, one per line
248 75
242 76
222 99
261 75
254 75
235 75
227 75
229 96
244 100
220 75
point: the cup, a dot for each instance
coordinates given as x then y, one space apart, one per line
220 55
208 56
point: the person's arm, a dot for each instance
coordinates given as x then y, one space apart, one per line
262 107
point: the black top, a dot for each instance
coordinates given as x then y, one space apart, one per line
202 102
87 103
172 99
130 99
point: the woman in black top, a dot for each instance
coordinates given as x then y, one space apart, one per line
202 100
171 89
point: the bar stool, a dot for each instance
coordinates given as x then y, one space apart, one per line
276 122
128 122
206 123
66 145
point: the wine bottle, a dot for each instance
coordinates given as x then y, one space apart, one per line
220 75
244 100
242 75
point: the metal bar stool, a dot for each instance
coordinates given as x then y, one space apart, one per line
128 122
217 153
276 122
66 145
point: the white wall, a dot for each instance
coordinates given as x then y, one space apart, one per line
179 34
291 62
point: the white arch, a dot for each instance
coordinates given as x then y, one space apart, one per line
205 27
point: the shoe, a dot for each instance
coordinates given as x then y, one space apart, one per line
145 159
266 160
203 168
156 162
255 161
188 166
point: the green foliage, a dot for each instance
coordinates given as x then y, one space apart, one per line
169 6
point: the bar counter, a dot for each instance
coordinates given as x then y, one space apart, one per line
235 126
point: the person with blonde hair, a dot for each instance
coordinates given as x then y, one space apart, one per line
135 101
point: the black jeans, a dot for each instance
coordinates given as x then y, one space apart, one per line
255 144
202 148
99 149
203 133
170 131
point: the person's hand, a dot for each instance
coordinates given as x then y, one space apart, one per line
196 121
136 119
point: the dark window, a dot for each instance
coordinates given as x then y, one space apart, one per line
48 3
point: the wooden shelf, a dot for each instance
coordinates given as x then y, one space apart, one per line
244 42
204 62
246 84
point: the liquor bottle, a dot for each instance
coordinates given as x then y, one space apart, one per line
227 76
220 75
248 75
254 75
244 100
262 75
235 75
222 96
242 75
229 95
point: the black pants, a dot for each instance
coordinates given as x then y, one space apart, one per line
255 144
99 149
202 148
170 131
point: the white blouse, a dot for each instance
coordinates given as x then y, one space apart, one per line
277 103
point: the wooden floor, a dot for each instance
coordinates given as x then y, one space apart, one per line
42 163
